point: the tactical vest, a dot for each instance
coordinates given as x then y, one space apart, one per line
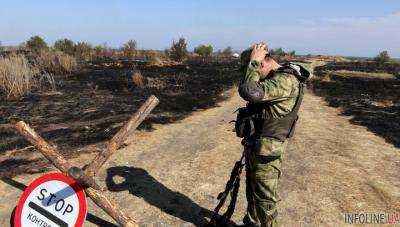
278 128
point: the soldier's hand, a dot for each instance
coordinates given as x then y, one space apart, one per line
259 52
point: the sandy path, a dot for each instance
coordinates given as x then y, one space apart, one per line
173 174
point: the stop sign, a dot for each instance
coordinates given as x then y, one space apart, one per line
51 200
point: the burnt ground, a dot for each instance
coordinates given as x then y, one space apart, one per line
172 175
89 107
371 99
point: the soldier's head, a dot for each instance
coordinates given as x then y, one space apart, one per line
267 64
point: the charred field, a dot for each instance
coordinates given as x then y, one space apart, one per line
90 106
367 92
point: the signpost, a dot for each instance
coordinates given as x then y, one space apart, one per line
52 200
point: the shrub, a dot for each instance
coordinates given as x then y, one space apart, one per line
178 50
204 50
227 51
65 45
277 52
36 44
17 76
382 58
83 51
292 53
1 47
129 48
101 51
56 62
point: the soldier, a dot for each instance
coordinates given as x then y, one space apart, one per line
273 93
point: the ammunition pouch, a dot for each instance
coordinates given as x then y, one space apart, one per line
244 124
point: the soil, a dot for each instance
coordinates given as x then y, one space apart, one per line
171 175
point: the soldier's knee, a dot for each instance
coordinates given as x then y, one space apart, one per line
267 167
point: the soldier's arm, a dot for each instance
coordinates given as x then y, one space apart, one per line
253 90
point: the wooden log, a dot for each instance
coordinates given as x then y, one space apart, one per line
110 208
84 180
46 149
63 165
122 135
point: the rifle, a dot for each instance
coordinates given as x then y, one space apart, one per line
232 188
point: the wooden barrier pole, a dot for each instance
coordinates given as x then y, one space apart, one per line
64 166
122 135
46 149
110 207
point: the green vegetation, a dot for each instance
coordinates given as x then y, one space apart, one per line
382 58
280 52
36 44
65 45
204 50
178 50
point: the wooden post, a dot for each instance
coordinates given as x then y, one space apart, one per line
122 135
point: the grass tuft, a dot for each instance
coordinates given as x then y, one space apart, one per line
17 76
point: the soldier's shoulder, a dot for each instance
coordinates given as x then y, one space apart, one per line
285 77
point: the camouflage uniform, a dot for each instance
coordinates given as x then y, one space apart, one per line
263 154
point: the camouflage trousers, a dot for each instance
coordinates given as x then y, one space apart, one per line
263 170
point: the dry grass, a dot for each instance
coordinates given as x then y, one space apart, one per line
348 73
47 79
154 58
137 79
17 76
56 62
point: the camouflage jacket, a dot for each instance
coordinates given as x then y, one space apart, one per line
278 90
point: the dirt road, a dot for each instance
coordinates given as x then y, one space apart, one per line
171 176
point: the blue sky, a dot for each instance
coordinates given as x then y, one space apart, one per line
351 27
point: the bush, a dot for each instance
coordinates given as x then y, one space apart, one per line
83 51
36 44
1 47
65 45
277 52
129 48
204 50
227 52
56 62
292 53
17 77
178 50
101 51
382 58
